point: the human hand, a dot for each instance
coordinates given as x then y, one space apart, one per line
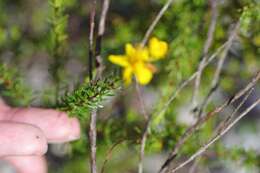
25 133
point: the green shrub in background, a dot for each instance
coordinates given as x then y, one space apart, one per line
59 30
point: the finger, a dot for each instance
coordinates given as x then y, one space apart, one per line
28 164
3 109
57 126
21 139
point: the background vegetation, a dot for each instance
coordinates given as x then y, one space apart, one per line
44 62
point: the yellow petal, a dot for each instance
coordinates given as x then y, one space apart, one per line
142 73
143 54
127 75
130 50
157 49
120 60
136 53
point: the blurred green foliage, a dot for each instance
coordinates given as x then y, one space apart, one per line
13 88
59 29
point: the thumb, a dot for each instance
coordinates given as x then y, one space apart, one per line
19 139
28 164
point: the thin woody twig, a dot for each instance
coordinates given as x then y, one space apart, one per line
187 81
108 155
146 129
101 31
194 166
143 144
97 54
216 78
214 139
91 39
203 119
193 76
207 45
93 114
141 101
178 90
223 57
155 22
224 123
212 27
102 22
93 141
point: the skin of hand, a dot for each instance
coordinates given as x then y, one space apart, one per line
26 132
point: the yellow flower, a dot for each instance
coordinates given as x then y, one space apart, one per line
157 49
136 61
134 64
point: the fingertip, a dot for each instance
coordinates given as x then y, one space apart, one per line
75 129
68 129
61 129
18 139
56 125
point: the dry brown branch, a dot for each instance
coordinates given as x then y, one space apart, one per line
214 139
155 22
205 118
207 45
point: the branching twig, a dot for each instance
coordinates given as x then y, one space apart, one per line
207 45
217 137
212 27
91 39
93 114
101 31
186 82
203 119
224 123
155 22
216 78
97 54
